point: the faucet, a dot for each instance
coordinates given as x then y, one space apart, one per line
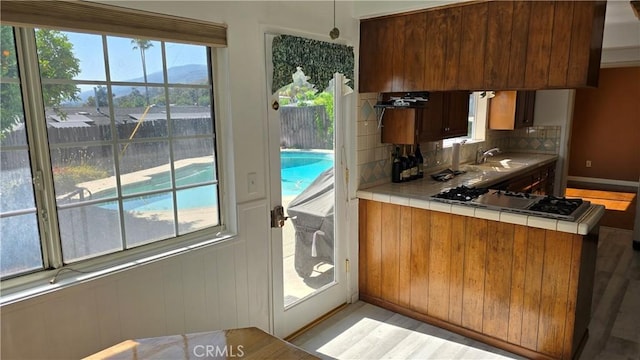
481 155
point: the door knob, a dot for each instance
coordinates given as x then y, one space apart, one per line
278 217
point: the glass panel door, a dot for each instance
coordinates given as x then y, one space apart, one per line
308 251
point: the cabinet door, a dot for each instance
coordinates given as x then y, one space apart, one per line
525 104
414 51
456 119
586 43
472 46
539 45
499 31
378 68
435 51
399 126
518 50
453 21
510 110
502 110
431 118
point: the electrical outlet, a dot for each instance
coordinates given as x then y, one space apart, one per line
588 163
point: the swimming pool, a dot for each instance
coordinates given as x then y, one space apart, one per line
192 198
299 168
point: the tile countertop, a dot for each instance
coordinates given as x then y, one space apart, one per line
417 194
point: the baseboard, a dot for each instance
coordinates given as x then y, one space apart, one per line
592 180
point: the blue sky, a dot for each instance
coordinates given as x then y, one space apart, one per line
125 63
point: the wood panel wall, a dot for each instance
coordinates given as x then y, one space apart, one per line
606 127
221 286
508 284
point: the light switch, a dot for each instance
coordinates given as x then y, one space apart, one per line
252 183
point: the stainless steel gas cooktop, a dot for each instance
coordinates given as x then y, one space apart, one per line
522 203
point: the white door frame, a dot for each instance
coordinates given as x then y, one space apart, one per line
286 321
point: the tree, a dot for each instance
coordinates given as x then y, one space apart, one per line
57 61
143 45
131 100
100 93
10 99
300 91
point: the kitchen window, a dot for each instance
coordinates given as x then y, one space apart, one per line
107 141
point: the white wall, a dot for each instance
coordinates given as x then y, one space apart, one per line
224 285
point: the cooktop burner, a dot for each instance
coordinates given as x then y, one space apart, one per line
515 202
461 193
555 205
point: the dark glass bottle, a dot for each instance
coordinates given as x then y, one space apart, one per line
413 163
420 161
406 169
396 167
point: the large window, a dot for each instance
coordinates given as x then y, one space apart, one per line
126 154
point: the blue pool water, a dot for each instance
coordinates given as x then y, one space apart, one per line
197 197
300 168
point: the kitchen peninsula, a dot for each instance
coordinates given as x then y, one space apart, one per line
519 282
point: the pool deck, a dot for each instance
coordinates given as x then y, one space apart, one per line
109 183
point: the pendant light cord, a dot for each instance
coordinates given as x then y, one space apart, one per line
334 13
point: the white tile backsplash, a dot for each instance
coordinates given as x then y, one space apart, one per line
374 164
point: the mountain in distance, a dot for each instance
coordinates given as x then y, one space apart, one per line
189 74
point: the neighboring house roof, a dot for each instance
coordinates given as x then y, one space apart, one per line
93 116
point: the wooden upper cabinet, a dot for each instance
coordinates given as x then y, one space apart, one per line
518 46
539 39
380 64
496 45
510 110
435 50
446 116
453 21
399 125
586 43
414 51
430 121
472 46
456 120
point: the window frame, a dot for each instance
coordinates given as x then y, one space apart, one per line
24 285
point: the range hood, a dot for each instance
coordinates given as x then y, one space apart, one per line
408 100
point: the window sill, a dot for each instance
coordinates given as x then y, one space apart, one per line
30 286
449 142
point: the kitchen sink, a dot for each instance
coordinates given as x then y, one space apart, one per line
504 165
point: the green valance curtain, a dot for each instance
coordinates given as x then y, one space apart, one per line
319 60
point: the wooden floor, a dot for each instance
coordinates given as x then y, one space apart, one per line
620 203
365 331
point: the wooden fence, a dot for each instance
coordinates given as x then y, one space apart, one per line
307 127
140 155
